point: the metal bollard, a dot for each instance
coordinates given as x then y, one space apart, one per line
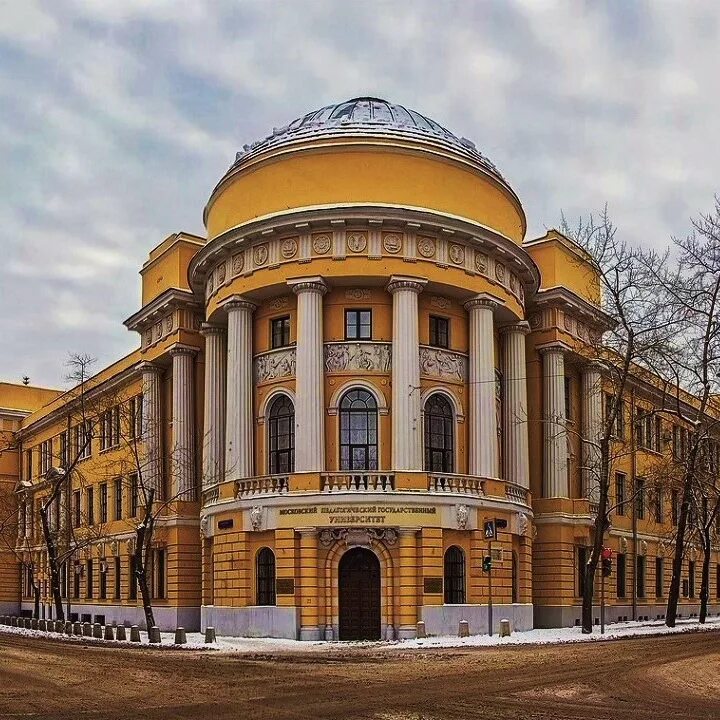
154 635
504 628
97 631
209 635
42 625
77 628
60 626
180 636
109 634
34 624
87 630
28 623
120 635
421 633
134 634
464 629
68 628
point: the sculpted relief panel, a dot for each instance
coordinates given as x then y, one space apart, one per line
443 364
370 357
275 365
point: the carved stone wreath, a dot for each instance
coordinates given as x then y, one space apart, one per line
500 271
392 242
457 254
358 536
481 260
221 272
426 246
289 248
260 255
238 262
322 243
356 241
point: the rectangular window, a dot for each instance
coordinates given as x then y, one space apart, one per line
160 573
618 428
620 492
64 455
568 398
103 579
116 426
83 440
118 498
691 579
659 577
658 506
620 577
76 581
91 506
640 576
640 498
135 417
132 579
439 331
280 332
103 503
89 579
581 563
116 585
639 427
45 456
649 432
676 442
133 495
77 509
358 324
658 434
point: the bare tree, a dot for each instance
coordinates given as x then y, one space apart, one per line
691 291
635 327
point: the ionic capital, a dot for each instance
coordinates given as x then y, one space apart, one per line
399 282
208 329
237 302
523 328
308 285
179 349
554 348
147 367
483 301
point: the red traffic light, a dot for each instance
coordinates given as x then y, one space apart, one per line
606 553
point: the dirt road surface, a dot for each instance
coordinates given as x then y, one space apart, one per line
650 679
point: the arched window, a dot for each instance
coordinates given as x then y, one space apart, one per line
439 435
358 431
454 576
265 577
281 432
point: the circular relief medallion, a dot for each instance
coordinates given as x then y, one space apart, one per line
500 271
289 248
279 303
535 321
168 323
457 254
426 246
392 242
260 255
148 337
356 241
481 262
568 323
158 331
322 243
209 284
221 274
238 262
513 282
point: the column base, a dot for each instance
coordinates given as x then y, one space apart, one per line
329 632
310 633
407 632
389 632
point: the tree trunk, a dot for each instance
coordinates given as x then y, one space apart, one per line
36 599
705 581
50 544
143 540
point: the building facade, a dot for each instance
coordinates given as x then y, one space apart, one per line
362 370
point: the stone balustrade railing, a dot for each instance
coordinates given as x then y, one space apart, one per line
451 483
266 485
516 493
358 482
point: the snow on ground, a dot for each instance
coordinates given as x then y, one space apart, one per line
195 641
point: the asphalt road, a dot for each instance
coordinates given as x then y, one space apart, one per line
650 678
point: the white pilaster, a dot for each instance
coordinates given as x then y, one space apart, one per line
152 428
555 452
483 419
515 416
183 429
239 418
407 446
213 460
591 382
309 378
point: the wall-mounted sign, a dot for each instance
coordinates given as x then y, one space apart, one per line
225 524
358 515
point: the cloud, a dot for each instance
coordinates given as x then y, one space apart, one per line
119 117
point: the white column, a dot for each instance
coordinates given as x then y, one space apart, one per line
591 381
483 419
309 377
239 418
152 428
515 415
407 448
183 429
555 454
213 461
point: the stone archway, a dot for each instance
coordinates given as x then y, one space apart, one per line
359 594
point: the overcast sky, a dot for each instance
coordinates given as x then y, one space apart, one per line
117 117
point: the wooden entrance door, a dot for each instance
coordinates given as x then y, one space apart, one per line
359 581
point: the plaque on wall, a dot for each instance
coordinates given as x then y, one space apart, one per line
285 586
225 524
433 586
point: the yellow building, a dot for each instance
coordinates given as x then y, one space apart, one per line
362 368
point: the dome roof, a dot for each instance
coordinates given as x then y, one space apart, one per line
368 116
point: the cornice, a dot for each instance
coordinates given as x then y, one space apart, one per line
563 298
168 300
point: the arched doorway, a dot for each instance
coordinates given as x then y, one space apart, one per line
359 595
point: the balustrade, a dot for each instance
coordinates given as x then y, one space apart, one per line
357 482
461 484
265 485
